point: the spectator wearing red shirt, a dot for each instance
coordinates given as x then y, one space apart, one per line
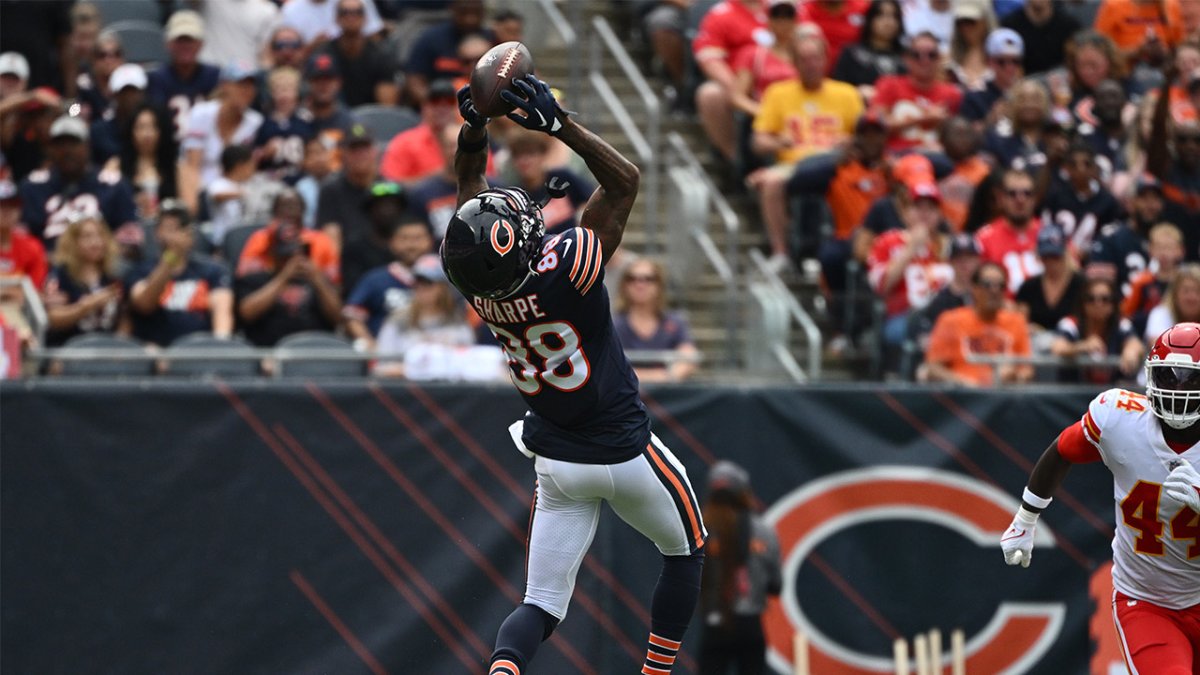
416 153
1011 240
757 66
725 29
840 20
21 254
906 267
915 104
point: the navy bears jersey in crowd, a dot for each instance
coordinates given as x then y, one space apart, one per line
48 201
566 359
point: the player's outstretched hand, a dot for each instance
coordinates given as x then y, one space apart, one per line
1183 485
466 108
538 103
1017 540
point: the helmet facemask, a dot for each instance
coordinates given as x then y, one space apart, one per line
1173 388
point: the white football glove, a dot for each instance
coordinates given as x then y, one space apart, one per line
1183 485
1017 540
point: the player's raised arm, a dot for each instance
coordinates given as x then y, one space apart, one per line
470 161
608 208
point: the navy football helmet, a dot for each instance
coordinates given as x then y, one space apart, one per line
492 241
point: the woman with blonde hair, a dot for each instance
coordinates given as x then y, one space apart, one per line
1180 303
82 293
642 322
433 316
968 64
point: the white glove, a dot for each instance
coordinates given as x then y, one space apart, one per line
1183 485
1017 540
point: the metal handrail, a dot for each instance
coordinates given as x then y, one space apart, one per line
812 333
240 353
998 361
645 145
569 38
727 269
38 319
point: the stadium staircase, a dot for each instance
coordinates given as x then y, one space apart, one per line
699 289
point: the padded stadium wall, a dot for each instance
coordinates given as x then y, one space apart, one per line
379 528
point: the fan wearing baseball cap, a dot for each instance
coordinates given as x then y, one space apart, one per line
907 267
51 197
183 80
1005 57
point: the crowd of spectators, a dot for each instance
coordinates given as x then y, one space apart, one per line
234 186
1037 161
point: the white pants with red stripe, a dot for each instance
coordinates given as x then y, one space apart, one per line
651 492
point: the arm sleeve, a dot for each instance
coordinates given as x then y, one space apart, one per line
1074 446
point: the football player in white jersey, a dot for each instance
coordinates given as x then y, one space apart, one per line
1151 444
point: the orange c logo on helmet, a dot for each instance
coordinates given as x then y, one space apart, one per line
510 237
1016 637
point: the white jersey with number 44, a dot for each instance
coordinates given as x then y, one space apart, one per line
1156 548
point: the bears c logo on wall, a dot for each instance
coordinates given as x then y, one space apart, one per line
503 236
1013 641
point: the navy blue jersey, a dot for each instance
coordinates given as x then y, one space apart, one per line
288 138
1081 216
183 306
565 357
165 90
379 293
977 104
1120 251
48 201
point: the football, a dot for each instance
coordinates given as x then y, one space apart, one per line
495 72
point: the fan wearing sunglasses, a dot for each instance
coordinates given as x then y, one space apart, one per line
914 104
1151 444
1096 328
983 328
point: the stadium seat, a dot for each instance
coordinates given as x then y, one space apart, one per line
241 361
235 241
142 41
385 121
116 11
316 367
100 367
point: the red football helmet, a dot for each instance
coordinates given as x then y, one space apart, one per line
1173 375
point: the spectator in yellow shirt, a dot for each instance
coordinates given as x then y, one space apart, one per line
798 118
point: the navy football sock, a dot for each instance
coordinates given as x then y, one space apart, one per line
675 598
519 638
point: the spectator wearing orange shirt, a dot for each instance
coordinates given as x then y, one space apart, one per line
850 187
984 328
1137 26
287 278
288 207
962 143
416 153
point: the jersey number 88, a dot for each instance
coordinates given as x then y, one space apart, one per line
554 343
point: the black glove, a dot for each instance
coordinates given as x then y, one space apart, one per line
539 105
466 108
